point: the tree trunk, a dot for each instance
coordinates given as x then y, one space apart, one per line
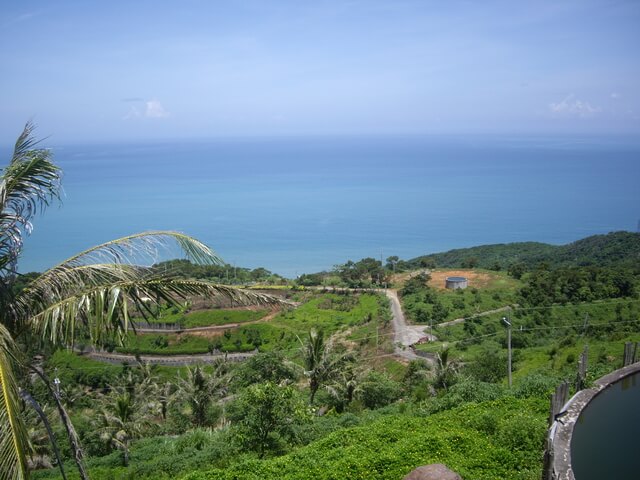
74 442
313 387
45 421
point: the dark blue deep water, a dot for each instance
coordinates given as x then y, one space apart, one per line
297 205
605 438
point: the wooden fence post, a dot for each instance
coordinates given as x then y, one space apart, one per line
558 399
582 369
629 353
547 465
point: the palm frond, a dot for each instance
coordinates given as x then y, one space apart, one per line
142 247
66 281
103 265
106 309
13 433
27 185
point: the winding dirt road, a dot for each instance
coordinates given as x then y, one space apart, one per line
404 335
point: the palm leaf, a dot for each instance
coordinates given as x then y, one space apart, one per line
13 434
65 281
27 186
81 272
143 246
106 309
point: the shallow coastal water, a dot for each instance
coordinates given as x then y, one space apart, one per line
297 205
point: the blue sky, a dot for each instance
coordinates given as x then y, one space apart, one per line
116 70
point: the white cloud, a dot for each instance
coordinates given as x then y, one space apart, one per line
615 96
573 107
147 109
154 109
133 112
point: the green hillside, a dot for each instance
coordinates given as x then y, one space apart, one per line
485 441
612 249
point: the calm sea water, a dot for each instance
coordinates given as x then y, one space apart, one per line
297 205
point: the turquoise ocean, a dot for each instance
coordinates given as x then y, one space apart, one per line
298 205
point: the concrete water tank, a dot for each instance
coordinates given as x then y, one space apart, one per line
456 282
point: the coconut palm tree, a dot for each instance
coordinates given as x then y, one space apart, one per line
321 360
200 388
93 293
122 419
446 370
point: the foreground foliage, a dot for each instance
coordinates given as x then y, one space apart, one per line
501 439
89 297
486 440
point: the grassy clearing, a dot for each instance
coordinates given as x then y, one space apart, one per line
488 290
206 318
163 344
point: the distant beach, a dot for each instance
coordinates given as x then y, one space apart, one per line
296 205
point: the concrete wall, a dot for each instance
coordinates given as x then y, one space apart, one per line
561 431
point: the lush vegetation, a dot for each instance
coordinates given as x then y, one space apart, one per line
456 410
225 273
545 286
183 317
476 429
614 249
480 441
423 303
364 273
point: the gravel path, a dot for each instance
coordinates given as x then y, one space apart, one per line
404 335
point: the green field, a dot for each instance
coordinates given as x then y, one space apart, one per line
327 312
206 318
165 344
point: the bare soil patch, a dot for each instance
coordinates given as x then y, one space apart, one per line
476 279
217 330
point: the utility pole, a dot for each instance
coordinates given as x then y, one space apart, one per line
586 324
508 324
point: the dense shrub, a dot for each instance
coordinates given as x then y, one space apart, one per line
483 442
535 385
378 390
